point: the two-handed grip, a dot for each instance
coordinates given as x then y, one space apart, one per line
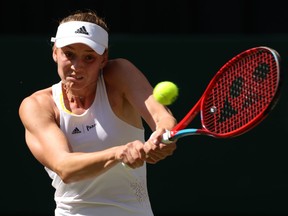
165 139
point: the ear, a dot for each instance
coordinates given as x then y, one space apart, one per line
105 59
54 54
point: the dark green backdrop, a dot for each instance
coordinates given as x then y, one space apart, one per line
243 175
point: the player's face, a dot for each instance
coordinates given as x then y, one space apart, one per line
78 65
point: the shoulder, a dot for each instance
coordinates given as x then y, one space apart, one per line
119 65
121 70
39 96
38 101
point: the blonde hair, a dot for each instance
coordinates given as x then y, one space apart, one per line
86 16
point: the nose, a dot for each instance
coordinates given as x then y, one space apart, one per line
76 64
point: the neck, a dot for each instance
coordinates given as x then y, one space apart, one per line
71 96
83 98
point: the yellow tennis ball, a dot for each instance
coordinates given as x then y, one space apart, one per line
165 92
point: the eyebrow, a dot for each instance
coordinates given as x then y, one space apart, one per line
89 49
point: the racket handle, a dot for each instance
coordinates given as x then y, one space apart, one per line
166 137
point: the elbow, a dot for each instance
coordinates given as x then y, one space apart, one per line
66 178
65 174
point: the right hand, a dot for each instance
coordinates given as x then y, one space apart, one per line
132 154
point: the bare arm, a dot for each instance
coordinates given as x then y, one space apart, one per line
50 147
138 92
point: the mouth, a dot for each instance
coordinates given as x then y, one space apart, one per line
78 77
75 78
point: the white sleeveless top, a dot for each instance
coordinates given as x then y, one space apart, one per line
119 191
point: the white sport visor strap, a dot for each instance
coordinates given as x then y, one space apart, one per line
87 33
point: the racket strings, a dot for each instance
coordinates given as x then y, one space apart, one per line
241 93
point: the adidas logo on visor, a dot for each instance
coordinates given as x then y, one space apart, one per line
88 33
82 30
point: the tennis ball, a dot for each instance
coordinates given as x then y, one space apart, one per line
165 92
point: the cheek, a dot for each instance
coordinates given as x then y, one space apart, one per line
63 63
63 68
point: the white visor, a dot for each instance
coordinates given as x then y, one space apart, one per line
87 33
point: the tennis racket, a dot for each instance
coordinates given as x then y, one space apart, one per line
239 96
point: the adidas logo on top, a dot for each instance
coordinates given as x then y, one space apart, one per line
76 131
82 30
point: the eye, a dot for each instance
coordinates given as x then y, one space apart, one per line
89 58
68 54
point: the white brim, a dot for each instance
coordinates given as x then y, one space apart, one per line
98 48
87 33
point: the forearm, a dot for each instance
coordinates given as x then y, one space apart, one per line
78 166
166 121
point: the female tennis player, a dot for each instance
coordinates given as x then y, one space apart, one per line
84 127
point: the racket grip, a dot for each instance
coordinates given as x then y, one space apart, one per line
166 137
